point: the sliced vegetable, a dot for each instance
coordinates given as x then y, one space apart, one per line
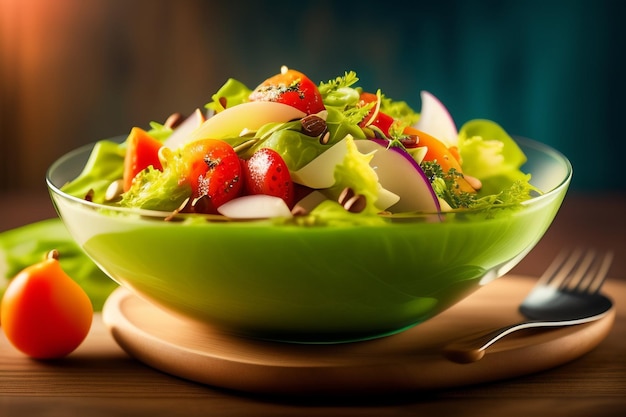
258 206
142 151
181 133
244 117
438 152
375 117
399 173
435 119
319 173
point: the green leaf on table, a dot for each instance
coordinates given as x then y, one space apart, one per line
27 245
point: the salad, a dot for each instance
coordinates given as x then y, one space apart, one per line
291 149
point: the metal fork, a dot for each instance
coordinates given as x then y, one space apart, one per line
568 293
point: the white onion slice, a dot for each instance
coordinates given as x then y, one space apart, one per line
243 117
183 130
320 172
257 206
435 119
400 174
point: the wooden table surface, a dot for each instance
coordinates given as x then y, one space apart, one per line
99 379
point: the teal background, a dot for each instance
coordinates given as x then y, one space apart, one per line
550 70
72 72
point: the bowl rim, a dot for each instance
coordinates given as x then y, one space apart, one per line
160 215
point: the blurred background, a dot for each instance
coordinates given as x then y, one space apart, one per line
75 71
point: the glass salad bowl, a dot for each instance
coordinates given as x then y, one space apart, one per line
310 284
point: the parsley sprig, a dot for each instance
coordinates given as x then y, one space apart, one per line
446 186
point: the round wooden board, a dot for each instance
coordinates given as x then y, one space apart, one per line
407 361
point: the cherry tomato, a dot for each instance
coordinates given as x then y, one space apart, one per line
267 173
290 87
213 171
45 314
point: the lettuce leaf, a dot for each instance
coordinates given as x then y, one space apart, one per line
491 155
105 165
233 92
399 110
355 172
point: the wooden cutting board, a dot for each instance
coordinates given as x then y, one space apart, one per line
408 361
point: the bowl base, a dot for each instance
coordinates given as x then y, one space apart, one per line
407 361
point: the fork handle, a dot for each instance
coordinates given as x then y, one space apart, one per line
471 348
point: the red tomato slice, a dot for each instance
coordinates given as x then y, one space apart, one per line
213 171
142 151
267 173
290 87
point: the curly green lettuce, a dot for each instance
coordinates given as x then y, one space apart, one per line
161 190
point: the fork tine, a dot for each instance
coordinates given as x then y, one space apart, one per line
582 274
575 272
596 278
558 271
